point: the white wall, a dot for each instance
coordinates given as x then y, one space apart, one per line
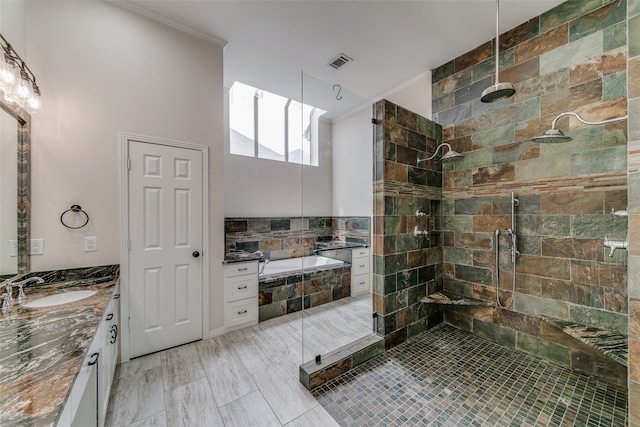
104 71
414 95
269 188
353 164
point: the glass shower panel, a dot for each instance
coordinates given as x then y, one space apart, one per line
335 141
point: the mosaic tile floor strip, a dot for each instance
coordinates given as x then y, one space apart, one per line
447 377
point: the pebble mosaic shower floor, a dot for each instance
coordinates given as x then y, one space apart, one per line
447 377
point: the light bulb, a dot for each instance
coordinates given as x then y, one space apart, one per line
9 73
23 90
34 103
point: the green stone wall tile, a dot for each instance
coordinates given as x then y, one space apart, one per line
529 245
615 135
507 59
477 205
448 206
463 223
442 71
554 225
473 91
566 12
457 255
529 109
634 36
512 152
590 162
474 159
544 349
443 103
457 287
572 53
634 117
483 69
606 16
452 83
392 225
534 306
494 137
598 226
633 8
634 276
407 242
602 319
614 85
615 36
473 274
503 336
542 168
455 114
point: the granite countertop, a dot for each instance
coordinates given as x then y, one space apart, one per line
41 349
612 344
240 256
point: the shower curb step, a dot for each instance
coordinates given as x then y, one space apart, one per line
612 344
448 299
339 361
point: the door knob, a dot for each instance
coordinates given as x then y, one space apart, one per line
196 254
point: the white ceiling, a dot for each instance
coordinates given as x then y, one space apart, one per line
392 42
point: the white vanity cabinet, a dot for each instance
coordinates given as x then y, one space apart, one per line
360 277
89 398
241 295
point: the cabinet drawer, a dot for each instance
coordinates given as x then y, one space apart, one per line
359 284
241 313
240 287
360 253
240 268
359 266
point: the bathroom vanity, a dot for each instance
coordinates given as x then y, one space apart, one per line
58 361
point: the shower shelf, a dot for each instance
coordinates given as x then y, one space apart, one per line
612 344
449 299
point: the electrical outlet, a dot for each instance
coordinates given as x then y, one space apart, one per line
90 244
36 246
13 248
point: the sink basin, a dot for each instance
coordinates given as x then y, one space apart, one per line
57 299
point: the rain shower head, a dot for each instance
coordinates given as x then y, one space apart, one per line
555 135
552 135
498 91
448 157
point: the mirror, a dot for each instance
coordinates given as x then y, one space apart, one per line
15 208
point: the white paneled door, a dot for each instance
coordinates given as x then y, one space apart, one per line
165 231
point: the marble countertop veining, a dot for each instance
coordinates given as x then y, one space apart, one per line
41 349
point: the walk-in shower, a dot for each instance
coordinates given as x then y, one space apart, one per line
510 234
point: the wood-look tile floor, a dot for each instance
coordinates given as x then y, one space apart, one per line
244 378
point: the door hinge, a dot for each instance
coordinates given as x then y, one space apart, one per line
128 164
129 323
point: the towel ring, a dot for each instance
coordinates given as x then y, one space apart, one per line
74 208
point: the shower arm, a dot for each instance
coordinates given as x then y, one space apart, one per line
444 144
586 122
497 41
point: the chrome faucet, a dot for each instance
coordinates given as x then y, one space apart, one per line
8 300
19 284
265 260
615 244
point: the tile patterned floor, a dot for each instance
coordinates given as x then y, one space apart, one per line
446 377
245 378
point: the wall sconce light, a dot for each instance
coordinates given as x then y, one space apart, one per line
449 156
554 135
17 81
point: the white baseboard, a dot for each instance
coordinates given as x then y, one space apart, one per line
216 332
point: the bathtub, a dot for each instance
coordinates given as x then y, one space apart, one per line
297 265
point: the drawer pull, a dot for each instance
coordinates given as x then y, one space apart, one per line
242 287
242 312
116 296
243 269
362 283
362 265
109 316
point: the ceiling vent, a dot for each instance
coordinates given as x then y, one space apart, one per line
340 61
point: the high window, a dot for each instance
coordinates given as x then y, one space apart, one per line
270 126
